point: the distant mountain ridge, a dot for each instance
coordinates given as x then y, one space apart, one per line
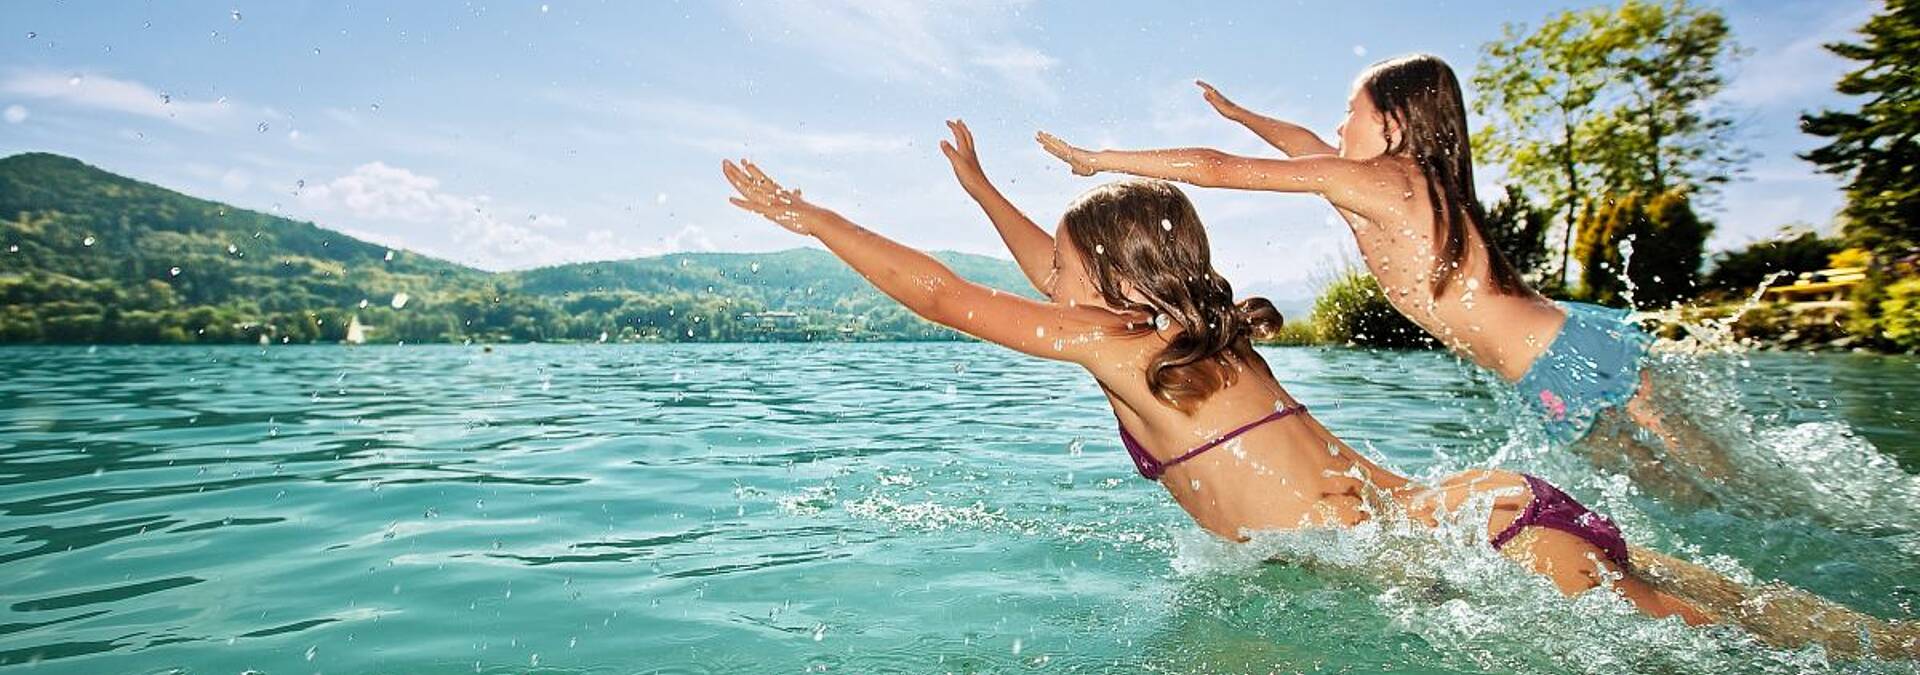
92 256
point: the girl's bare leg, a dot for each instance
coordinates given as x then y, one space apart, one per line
1573 564
1780 615
1686 443
1613 447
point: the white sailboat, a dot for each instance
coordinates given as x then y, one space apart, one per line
356 332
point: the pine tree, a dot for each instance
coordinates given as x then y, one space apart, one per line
1877 147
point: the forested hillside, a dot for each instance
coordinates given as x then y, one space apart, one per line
93 257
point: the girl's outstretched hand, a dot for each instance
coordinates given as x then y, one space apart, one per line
1226 108
761 195
960 153
1079 160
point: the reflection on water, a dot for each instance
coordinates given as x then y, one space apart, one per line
852 508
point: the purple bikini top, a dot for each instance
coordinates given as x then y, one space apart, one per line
1152 469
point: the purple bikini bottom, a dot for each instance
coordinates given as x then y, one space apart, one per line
1552 508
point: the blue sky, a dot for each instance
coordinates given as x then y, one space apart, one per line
518 134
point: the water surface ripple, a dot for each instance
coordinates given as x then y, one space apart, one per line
755 508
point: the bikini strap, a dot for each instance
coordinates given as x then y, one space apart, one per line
1275 416
1151 468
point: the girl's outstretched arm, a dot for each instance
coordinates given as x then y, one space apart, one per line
1031 246
1287 137
924 285
1360 186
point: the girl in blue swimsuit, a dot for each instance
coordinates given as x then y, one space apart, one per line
1132 297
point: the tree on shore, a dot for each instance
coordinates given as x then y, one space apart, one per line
1609 101
1639 250
1741 271
1876 148
1518 229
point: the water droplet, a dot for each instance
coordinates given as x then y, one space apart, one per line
1162 321
312 652
1075 447
400 300
173 272
31 35
236 15
819 632
543 9
389 255
755 267
363 303
13 249
1166 225
1099 249
87 241
261 127
74 81
231 249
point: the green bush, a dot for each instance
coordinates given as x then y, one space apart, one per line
1741 271
1669 241
1354 311
1294 333
1900 314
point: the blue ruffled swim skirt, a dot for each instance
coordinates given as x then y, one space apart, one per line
1592 365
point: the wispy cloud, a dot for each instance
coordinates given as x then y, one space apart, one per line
96 91
391 203
1023 67
1788 74
720 129
907 41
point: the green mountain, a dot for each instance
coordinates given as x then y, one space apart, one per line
93 257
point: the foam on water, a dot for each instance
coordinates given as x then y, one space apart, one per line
1450 589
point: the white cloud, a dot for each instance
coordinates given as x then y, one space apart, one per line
688 238
1802 67
1023 67
342 116
925 43
391 204
103 92
16 114
236 180
721 129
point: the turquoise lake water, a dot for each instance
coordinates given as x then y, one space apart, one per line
839 508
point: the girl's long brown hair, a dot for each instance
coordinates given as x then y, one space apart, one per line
1147 253
1421 97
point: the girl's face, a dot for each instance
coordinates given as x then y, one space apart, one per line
1070 281
1363 134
